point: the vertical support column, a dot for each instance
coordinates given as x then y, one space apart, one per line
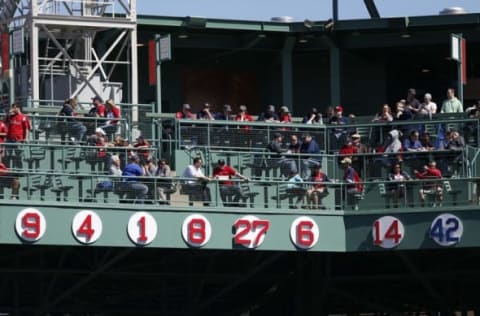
158 74
34 65
134 79
287 86
11 73
335 75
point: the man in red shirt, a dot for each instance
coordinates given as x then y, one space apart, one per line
8 180
432 188
224 174
18 128
3 137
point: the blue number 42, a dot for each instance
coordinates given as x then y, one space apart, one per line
443 232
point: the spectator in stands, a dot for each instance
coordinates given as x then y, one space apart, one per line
434 188
8 180
206 113
329 113
73 126
338 134
226 115
311 154
295 145
354 186
428 107
385 115
295 188
3 136
163 171
278 159
102 146
391 152
284 115
111 183
412 145
359 159
197 185
397 187
401 114
472 109
318 190
426 141
450 161
269 115
113 114
130 180
411 103
451 104
185 113
18 126
142 147
96 111
227 187
313 117
470 129
243 115
98 108
149 170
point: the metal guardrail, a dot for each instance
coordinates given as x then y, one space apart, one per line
255 195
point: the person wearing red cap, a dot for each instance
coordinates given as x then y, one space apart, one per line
338 135
227 187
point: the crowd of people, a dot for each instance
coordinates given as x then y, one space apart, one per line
299 159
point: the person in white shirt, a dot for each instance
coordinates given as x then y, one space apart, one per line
427 107
198 185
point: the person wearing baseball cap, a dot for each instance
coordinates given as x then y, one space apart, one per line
227 187
269 115
136 191
339 133
185 113
243 115
206 113
354 185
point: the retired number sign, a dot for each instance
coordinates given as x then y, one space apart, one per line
387 232
248 231
446 229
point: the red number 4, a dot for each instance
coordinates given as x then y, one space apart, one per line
86 227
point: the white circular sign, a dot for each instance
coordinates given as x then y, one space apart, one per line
30 225
142 228
87 227
196 230
304 232
250 231
387 232
446 229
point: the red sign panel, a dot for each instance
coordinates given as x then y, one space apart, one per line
152 63
4 39
464 61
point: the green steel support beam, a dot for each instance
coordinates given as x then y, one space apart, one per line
335 72
287 86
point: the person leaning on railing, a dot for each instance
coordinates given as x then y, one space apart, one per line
197 185
224 173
